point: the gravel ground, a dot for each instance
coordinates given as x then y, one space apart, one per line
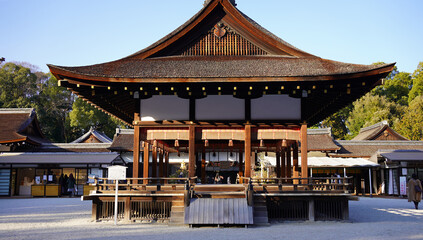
69 218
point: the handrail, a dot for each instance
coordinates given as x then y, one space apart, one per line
306 184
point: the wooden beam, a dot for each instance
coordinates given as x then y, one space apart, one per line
146 159
304 162
278 164
166 165
240 170
136 152
154 160
296 172
283 163
288 161
191 151
161 173
203 167
247 150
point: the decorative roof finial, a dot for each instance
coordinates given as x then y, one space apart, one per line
208 1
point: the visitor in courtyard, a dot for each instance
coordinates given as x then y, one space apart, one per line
71 185
414 190
62 184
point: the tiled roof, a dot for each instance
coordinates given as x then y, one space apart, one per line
101 137
73 147
320 140
19 125
366 148
373 131
123 140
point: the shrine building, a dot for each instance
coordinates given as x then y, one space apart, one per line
221 83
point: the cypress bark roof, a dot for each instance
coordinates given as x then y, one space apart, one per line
377 131
219 45
20 125
219 67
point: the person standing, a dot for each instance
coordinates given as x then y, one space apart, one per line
62 184
71 185
414 190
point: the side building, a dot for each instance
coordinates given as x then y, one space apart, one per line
32 166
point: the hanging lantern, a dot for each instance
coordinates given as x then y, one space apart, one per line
176 143
206 143
231 143
261 143
155 142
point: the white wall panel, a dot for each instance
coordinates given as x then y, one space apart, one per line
219 107
276 107
159 108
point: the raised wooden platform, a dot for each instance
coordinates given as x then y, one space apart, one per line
222 204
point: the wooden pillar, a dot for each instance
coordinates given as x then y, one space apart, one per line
146 160
240 166
191 152
203 167
288 163
127 214
154 160
136 152
161 169
283 163
94 213
295 169
278 164
166 165
247 150
304 162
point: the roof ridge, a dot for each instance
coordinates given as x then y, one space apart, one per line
316 131
16 110
376 125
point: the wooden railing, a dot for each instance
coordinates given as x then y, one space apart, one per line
338 184
317 184
134 184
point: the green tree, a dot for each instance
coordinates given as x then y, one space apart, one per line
337 122
52 107
18 86
411 125
417 89
396 89
371 109
83 116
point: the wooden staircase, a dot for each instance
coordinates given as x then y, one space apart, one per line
177 211
260 211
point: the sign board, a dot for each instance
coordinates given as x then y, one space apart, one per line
117 172
403 185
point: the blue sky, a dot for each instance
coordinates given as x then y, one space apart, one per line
84 32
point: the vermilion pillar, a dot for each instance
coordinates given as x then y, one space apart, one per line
203 167
154 160
136 152
295 168
240 166
278 164
247 150
304 162
191 152
146 160
288 161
